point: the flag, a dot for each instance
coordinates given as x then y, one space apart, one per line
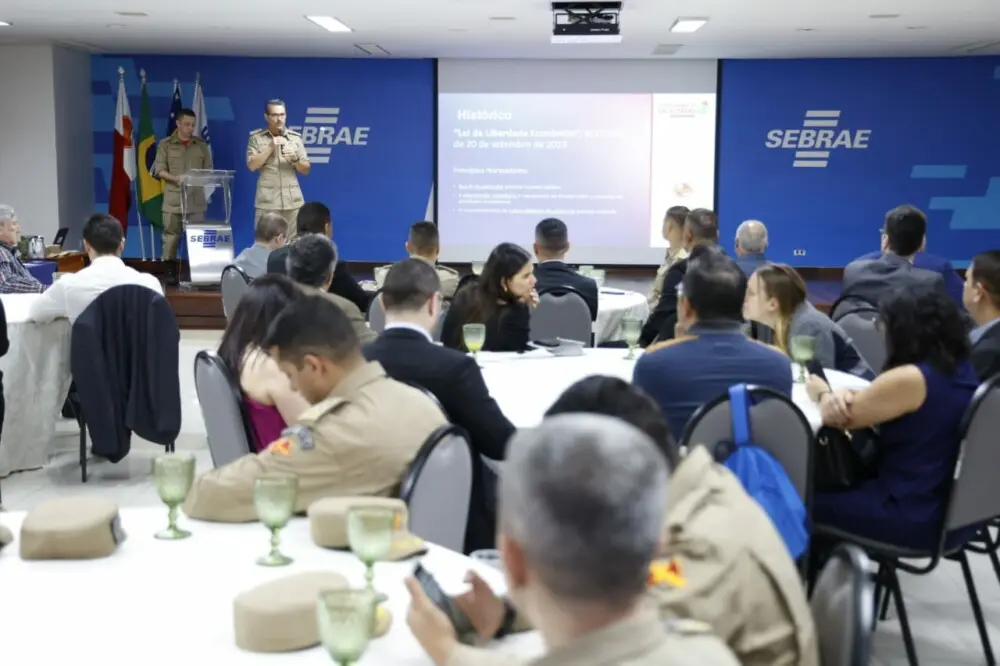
150 188
201 125
175 107
123 163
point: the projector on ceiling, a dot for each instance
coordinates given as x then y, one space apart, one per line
586 22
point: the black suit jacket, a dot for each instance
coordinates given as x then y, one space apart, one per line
986 354
343 284
663 318
553 274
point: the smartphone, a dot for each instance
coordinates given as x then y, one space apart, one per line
463 626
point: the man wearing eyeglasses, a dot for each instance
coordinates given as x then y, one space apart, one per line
278 155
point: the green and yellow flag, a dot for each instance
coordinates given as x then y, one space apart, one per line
150 188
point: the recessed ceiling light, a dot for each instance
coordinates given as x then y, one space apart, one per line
883 16
329 23
688 24
133 14
5 24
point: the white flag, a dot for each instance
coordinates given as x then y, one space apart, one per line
201 125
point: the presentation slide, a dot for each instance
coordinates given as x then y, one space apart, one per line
609 165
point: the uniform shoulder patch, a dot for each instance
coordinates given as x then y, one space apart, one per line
292 132
257 131
666 573
280 447
321 409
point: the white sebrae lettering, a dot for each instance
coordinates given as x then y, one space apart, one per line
328 135
824 139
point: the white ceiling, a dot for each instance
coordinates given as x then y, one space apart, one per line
467 29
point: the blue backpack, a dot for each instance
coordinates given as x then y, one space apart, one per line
765 479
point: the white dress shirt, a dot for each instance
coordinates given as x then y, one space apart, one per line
70 295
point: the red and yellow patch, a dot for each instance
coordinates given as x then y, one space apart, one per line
281 447
397 522
666 573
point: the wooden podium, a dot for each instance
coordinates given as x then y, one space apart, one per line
69 262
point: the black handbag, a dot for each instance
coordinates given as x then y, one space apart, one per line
844 458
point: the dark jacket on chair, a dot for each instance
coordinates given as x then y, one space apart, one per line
930 262
553 274
124 357
872 280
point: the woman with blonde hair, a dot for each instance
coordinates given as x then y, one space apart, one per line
776 297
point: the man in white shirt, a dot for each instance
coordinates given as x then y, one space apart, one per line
69 296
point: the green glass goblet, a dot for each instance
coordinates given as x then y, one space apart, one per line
173 474
803 350
345 619
474 336
369 532
274 498
631 330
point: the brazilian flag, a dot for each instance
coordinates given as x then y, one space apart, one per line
150 188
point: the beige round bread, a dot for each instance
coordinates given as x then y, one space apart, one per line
71 528
280 616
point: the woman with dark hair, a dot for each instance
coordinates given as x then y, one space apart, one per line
917 403
501 299
776 297
270 399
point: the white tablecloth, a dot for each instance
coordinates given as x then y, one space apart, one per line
526 385
613 305
36 377
161 602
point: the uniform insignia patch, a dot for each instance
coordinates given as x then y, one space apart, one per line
281 447
666 573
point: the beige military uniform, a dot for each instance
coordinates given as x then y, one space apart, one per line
361 441
449 278
733 570
177 158
671 258
278 188
642 640
358 323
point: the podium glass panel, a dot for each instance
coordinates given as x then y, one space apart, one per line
206 211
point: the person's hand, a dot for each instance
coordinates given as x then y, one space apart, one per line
531 298
484 609
835 407
816 387
430 626
278 140
290 153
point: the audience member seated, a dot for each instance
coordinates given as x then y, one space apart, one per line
701 227
710 352
424 243
917 403
14 277
271 401
412 305
776 297
551 272
312 262
358 438
751 243
70 295
269 233
314 218
502 299
582 502
982 299
673 233
869 281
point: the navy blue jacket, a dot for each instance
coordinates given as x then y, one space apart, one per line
930 262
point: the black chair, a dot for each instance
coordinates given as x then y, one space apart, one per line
973 499
562 312
234 284
438 487
227 423
376 314
843 603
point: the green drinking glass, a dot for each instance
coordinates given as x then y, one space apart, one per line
173 474
631 330
369 533
274 498
803 350
345 619
474 336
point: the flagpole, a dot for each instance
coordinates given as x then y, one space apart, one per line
134 186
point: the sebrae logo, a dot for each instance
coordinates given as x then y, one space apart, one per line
210 238
818 137
320 133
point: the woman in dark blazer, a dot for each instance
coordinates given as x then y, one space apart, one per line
501 299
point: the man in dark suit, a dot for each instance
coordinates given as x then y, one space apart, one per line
551 246
869 281
981 295
412 302
314 218
751 243
701 227
710 352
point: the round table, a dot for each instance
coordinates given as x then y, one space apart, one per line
614 305
171 602
525 385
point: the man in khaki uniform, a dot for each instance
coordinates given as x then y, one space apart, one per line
580 575
311 261
425 244
177 154
358 438
673 233
278 156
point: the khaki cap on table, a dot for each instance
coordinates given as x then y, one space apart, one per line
328 524
5 536
71 528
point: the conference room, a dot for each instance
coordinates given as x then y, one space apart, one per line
499 143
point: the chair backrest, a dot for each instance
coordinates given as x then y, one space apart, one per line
376 315
562 312
842 603
975 494
848 303
436 331
230 434
861 325
235 283
466 281
438 487
776 425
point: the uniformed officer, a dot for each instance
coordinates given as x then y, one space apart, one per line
177 154
424 243
358 438
278 156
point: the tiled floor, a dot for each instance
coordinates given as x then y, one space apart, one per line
938 604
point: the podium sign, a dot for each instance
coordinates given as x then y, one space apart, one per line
206 210
210 250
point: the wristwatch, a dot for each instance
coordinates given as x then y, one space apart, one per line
507 626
